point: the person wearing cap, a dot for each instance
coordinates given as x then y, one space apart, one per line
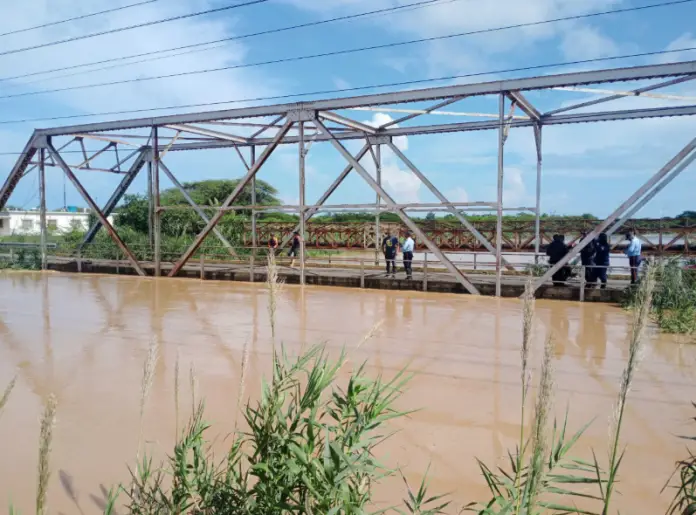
390 246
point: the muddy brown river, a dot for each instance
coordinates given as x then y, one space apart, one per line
85 338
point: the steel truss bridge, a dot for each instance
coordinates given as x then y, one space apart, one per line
254 133
658 236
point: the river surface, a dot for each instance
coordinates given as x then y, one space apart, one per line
85 338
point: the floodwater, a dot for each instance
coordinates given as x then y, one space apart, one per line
85 338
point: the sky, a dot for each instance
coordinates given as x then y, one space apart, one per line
588 168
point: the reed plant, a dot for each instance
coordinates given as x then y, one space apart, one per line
641 314
674 300
274 285
684 500
48 421
308 447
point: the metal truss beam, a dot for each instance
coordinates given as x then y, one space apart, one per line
196 208
450 207
102 137
635 92
233 196
486 88
674 162
272 125
17 172
404 217
429 110
526 106
353 124
116 197
604 116
94 207
658 188
206 132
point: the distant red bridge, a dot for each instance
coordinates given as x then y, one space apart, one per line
673 236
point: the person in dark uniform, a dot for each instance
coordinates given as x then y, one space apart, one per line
587 259
601 259
390 245
295 247
556 251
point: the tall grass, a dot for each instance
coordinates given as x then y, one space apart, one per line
674 300
684 501
48 421
308 447
641 314
274 285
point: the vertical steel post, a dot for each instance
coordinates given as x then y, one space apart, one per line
302 203
537 216
499 222
254 239
362 273
425 271
157 226
378 174
150 207
583 284
42 196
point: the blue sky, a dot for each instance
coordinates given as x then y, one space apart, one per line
587 168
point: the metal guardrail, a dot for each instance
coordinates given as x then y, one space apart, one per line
29 245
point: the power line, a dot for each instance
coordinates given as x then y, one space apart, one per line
341 52
60 22
351 89
131 27
412 6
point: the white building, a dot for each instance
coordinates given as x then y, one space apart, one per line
29 222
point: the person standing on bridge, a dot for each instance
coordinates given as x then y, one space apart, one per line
601 259
407 249
633 254
272 244
556 251
295 247
587 256
390 246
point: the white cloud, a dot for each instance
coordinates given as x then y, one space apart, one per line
515 190
457 194
686 40
209 87
401 184
586 42
467 52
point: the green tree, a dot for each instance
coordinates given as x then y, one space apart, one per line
430 216
133 213
687 214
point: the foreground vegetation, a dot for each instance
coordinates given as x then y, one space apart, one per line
308 445
674 302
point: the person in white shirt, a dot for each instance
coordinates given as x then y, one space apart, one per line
407 249
633 253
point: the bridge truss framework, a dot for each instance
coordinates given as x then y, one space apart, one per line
302 124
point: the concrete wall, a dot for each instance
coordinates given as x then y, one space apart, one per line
29 222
